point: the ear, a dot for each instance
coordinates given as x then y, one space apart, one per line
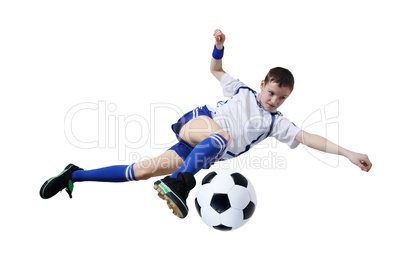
262 84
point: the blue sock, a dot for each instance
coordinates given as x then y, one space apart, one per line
121 173
202 154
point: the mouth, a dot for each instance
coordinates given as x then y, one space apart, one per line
271 106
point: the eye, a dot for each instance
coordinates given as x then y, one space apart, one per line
271 93
282 98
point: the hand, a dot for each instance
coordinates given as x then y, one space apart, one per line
219 39
360 160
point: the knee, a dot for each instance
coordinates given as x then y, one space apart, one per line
226 136
141 173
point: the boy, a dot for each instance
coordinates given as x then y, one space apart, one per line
208 134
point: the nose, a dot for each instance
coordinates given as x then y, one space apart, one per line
275 100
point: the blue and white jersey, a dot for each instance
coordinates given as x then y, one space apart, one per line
246 121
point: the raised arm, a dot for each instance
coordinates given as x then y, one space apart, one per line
322 144
216 65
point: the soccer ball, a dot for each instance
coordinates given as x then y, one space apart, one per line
225 200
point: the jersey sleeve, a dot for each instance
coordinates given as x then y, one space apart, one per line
285 131
230 85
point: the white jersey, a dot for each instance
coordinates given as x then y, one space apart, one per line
246 121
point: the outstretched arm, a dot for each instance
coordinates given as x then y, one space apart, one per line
216 65
322 144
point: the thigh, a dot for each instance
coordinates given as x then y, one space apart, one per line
165 164
200 128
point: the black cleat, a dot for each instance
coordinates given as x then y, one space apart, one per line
56 184
175 192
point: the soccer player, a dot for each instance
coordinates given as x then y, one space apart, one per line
212 133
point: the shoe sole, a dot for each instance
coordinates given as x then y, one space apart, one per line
171 199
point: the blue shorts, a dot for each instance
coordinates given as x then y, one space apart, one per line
182 148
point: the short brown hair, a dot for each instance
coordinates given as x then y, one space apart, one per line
281 76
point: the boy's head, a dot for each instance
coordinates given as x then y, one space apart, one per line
283 77
275 88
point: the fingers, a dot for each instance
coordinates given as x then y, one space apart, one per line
362 161
217 32
365 164
219 36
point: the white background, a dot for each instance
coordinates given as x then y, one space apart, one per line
131 54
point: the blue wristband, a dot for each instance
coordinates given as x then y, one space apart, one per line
218 54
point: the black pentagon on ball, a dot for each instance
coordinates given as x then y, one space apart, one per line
222 227
208 178
198 207
248 211
239 179
220 202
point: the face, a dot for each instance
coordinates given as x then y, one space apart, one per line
272 96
